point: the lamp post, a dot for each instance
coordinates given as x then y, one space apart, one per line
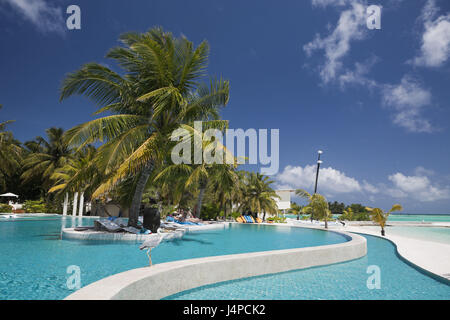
317 175
318 167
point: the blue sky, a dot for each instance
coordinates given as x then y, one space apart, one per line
376 101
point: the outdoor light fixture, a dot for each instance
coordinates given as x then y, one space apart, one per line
319 162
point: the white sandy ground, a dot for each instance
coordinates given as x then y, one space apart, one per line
429 255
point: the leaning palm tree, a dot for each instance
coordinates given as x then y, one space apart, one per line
380 217
158 89
318 205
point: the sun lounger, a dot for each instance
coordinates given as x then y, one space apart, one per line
106 225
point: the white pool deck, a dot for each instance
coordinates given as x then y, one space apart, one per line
431 256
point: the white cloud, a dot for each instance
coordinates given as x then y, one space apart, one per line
46 17
324 3
421 171
435 49
408 99
358 76
350 27
331 181
417 187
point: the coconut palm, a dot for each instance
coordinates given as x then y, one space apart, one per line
157 91
10 153
347 214
258 195
79 174
44 157
224 181
296 209
380 217
198 175
318 205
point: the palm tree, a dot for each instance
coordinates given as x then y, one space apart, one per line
318 205
80 173
200 174
380 217
347 214
10 153
157 91
44 157
258 196
224 183
296 209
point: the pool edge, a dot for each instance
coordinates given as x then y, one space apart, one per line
169 278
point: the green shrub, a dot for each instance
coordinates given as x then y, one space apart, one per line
277 219
210 212
35 206
236 214
5 208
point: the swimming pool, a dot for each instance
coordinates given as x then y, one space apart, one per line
34 261
347 280
419 217
402 217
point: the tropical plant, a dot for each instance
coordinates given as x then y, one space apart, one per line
199 175
277 219
10 154
296 209
5 208
35 206
79 174
44 157
347 214
258 195
157 91
380 217
317 206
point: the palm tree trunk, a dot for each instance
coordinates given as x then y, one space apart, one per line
199 202
137 197
264 216
382 231
326 223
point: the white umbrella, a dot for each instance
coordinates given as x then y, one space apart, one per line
9 195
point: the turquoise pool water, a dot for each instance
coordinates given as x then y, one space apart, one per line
404 217
346 280
33 259
419 217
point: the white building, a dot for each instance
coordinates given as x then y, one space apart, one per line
284 203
